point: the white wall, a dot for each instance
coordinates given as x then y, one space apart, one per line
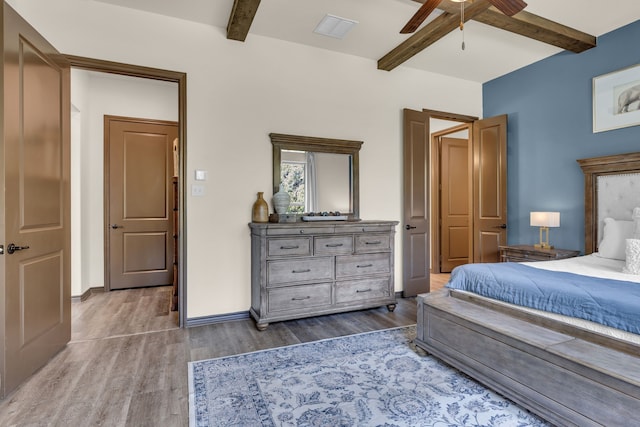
97 95
237 94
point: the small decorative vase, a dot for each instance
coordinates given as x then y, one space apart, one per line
260 212
281 201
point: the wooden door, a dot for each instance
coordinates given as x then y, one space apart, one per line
139 202
456 239
35 279
415 237
489 187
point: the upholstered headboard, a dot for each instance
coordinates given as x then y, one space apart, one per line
611 189
617 195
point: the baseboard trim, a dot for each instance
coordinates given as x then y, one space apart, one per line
230 317
220 318
87 294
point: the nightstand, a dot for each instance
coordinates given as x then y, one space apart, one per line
520 253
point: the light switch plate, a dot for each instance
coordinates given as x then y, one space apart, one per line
200 175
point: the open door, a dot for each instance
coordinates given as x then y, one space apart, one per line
489 188
469 202
35 223
415 236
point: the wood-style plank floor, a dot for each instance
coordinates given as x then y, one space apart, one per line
126 364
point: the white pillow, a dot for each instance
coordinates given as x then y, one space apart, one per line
636 223
633 257
615 233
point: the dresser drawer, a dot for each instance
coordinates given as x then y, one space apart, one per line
365 228
362 290
289 247
520 257
372 242
299 270
298 298
299 231
332 245
358 265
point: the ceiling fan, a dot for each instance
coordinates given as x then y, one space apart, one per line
508 7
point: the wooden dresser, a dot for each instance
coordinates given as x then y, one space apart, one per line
307 269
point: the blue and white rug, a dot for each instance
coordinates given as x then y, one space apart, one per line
373 379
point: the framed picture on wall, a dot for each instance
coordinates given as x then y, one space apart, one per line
616 99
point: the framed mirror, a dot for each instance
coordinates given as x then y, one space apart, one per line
320 174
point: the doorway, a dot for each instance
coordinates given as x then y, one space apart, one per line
452 167
139 174
468 191
127 72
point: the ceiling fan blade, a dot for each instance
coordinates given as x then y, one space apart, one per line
422 14
509 7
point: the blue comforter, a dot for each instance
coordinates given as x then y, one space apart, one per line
609 302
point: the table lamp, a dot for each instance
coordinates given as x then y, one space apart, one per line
544 220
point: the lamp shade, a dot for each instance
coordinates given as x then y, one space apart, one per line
545 219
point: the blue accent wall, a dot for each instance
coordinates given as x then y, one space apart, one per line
549 106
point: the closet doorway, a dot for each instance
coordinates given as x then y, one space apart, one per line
468 189
452 169
128 73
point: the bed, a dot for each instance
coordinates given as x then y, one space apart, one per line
569 371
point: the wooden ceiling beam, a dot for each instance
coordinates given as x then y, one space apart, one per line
523 23
429 34
532 26
241 18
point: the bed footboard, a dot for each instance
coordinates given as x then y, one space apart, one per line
564 379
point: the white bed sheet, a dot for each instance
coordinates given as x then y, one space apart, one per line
588 265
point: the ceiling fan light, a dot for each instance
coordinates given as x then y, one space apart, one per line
458 1
334 26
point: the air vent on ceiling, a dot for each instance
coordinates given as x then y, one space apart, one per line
334 26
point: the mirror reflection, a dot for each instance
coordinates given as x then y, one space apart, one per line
316 182
320 174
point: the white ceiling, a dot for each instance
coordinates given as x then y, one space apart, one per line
489 52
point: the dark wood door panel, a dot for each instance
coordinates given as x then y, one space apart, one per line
139 202
490 187
416 231
455 203
36 210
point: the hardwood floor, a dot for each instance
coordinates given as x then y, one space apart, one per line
439 280
127 362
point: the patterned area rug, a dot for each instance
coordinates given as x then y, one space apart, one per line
372 379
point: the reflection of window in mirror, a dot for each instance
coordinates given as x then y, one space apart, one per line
292 177
316 181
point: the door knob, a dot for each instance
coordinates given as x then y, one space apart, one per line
13 248
503 226
409 227
114 226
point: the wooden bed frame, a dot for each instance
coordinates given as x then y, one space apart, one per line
567 375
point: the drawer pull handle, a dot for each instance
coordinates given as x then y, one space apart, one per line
377 242
301 271
333 245
289 247
364 265
300 298
358 291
